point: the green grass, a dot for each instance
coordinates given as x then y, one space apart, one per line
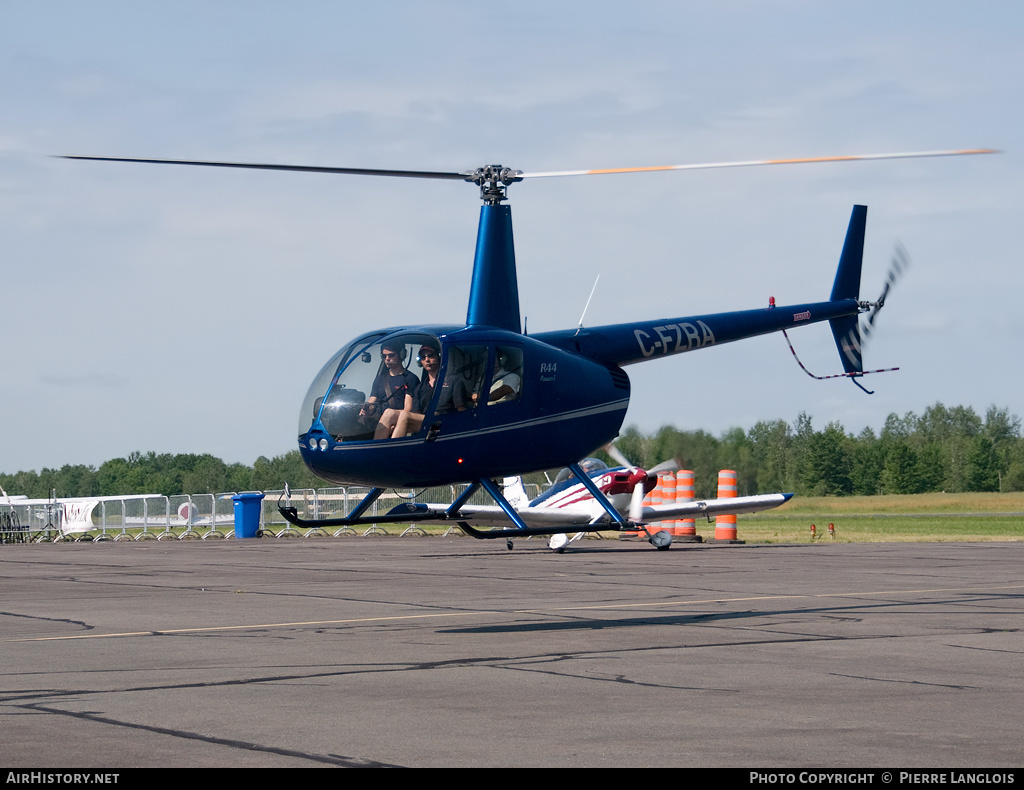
888 519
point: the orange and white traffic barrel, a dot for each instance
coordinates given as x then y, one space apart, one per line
685 493
667 484
725 526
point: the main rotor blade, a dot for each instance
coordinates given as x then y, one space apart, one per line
760 162
356 171
495 177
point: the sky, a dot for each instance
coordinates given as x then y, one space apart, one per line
187 310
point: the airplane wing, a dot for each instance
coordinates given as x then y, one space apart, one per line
714 507
570 516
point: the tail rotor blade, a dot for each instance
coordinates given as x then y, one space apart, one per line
899 264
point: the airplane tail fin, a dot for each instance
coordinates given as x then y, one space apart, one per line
515 492
846 330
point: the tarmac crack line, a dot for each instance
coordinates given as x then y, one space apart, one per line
908 682
63 620
486 612
337 760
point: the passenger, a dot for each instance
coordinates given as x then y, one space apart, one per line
409 422
506 382
454 393
392 391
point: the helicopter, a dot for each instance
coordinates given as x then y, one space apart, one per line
494 402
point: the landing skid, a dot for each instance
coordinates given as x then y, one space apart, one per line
419 512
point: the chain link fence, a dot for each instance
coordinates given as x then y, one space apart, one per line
212 516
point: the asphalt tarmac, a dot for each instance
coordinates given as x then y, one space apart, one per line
453 652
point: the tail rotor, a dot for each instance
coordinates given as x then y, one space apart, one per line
900 263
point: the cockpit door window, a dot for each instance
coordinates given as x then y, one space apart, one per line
507 380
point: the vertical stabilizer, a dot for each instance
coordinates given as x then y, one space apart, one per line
846 330
847 284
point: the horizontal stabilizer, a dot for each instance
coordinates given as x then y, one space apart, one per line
846 332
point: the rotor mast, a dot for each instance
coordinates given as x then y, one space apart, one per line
494 287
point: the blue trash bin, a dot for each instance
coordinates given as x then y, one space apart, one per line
247 515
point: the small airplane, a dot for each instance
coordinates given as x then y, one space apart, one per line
568 502
493 402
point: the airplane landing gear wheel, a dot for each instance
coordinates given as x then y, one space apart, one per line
557 543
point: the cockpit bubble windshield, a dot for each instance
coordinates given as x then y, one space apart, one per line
361 392
588 465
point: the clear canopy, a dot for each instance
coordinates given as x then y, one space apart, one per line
385 385
364 380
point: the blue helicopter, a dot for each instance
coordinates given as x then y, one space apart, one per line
493 402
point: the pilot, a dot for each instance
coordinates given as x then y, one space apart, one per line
409 422
392 391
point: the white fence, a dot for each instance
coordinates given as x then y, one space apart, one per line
207 516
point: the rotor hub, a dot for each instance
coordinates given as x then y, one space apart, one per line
493 180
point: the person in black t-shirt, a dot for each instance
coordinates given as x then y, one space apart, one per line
392 391
409 422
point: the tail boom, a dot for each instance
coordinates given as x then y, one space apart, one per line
627 344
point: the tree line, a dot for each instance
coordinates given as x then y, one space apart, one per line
944 449
150 473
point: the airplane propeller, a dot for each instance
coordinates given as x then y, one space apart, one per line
616 455
665 466
636 502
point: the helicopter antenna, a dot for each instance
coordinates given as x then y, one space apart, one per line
587 305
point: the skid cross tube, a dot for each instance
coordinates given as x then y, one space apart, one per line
491 488
463 498
291 514
618 521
